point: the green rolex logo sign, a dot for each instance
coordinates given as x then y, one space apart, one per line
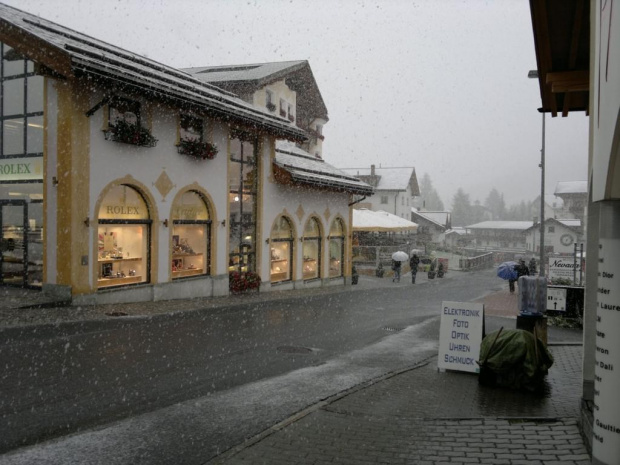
21 169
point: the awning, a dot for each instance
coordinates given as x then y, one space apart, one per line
380 221
299 167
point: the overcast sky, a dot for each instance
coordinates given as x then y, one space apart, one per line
440 85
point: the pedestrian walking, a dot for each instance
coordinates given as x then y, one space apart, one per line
414 262
532 266
396 267
522 270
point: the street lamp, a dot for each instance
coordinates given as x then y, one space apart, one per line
533 74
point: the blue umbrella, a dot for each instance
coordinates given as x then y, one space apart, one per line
507 271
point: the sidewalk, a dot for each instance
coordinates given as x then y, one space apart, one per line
19 307
421 416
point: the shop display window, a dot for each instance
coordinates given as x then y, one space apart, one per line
242 175
336 249
191 227
281 251
123 238
312 250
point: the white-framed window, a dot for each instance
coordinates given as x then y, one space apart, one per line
291 116
384 199
283 108
269 100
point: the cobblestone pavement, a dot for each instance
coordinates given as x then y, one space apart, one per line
423 416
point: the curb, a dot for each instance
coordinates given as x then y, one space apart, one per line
224 456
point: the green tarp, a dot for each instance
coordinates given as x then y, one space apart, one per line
515 359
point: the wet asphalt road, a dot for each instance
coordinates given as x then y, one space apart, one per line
64 379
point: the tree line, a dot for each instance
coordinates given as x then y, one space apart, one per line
466 212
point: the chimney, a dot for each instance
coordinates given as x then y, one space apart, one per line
372 170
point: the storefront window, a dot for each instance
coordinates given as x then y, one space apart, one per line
242 175
312 249
123 238
281 242
191 232
21 111
336 249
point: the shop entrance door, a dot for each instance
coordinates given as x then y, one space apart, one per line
14 243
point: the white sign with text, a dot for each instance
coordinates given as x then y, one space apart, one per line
556 299
460 336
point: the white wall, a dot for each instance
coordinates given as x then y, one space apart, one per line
111 161
299 204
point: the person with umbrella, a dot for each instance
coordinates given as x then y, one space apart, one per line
507 271
414 262
397 259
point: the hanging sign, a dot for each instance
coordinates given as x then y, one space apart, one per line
460 336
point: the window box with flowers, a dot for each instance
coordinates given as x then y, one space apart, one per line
130 133
196 149
271 106
239 282
191 141
124 124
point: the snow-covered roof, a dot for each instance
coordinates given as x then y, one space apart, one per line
389 179
307 169
568 222
246 79
440 218
380 221
571 187
572 223
71 53
518 225
247 72
457 230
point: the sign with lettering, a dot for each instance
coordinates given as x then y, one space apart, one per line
556 299
606 409
21 169
460 336
562 268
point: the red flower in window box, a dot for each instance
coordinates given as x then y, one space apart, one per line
130 133
197 149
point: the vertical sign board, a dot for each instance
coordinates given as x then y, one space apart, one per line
460 336
606 427
556 299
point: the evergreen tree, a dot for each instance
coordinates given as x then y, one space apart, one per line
429 197
461 209
496 205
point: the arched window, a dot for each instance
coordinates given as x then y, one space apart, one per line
124 237
312 249
281 242
191 233
336 249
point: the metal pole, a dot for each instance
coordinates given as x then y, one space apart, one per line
581 266
542 201
575 265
